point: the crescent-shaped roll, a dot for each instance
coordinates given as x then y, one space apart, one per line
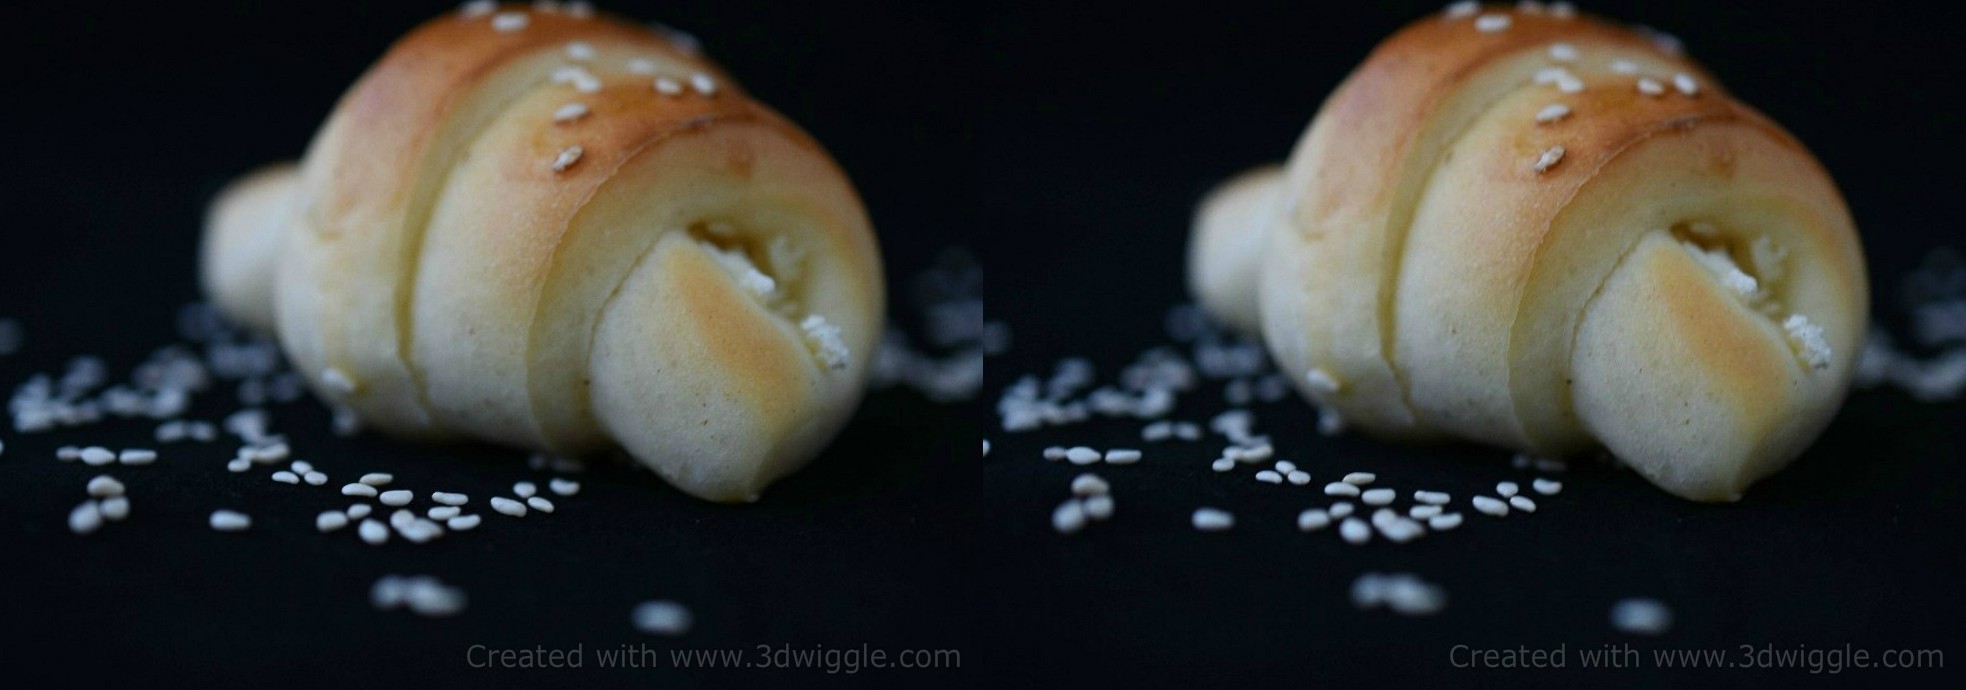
1543 231
559 231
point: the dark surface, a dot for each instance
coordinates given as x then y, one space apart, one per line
123 120
1855 544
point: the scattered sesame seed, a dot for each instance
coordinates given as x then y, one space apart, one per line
1098 507
477 8
1286 466
1641 616
580 50
1122 456
1321 381
373 532
85 518
508 506
238 465
1222 464
1404 593
1423 512
1491 506
315 478
668 86
377 479
1081 455
1563 52
1360 478
642 66
1340 510
1569 83
1254 454
1624 67
1684 82
1213 519
1507 489
449 499
1650 86
1546 487
1354 531
136 456
1551 113
330 520
68 453
703 84
337 380
1522 503
362 490
1269 477
462 522
1298 477
1563 10
564 487
230 520
1312 520
570 112
104 485
508 22
525 489
540 503
1462 9
301 467
443 512
1089 484
359 511
1345 489
1444 522
1068 517
1432 497
97 456
568 156
114 508
285 477
1549 159
666 618
1054 453
398 497
1378 497
1491 23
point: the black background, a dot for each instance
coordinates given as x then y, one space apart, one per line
123 119
1067 142
1134 113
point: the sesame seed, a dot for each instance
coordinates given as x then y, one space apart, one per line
1068 517
301 467
1377 497
1340 510
1089 484
508 506
1222 464
1298 477
703 84
373 532
1321 381
1345 489
642 66
1054 453
1465 8
1491 23
315 478
508 22
462 522
330 520
1286 466
525 489
398 497
1403 593
568 156
97 456
1563 52
477 8
580 50
1507 489
285 477
1269 477
1650 86
359 511
362 490
1400 530
1551 113
1569 83
443 512
1641 616
1432 497
114 508
1360 478
1098 507
1312 520
540 503
570 112
1624 67
666 618
1522 503
1684 82
668 86
105 485
1563 10
85 518
1442 523
1549 159
1354 531
1546 487
1122 456
564 487
238 465
136 456
1081 455
337 380
68 453
1253 454
230 520
420 531
1212 519
1423 512
449 499
401 518
1491 506
580 9
377 479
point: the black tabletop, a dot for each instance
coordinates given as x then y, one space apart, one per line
1849 549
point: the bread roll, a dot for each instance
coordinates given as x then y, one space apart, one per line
1546 232
563 232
